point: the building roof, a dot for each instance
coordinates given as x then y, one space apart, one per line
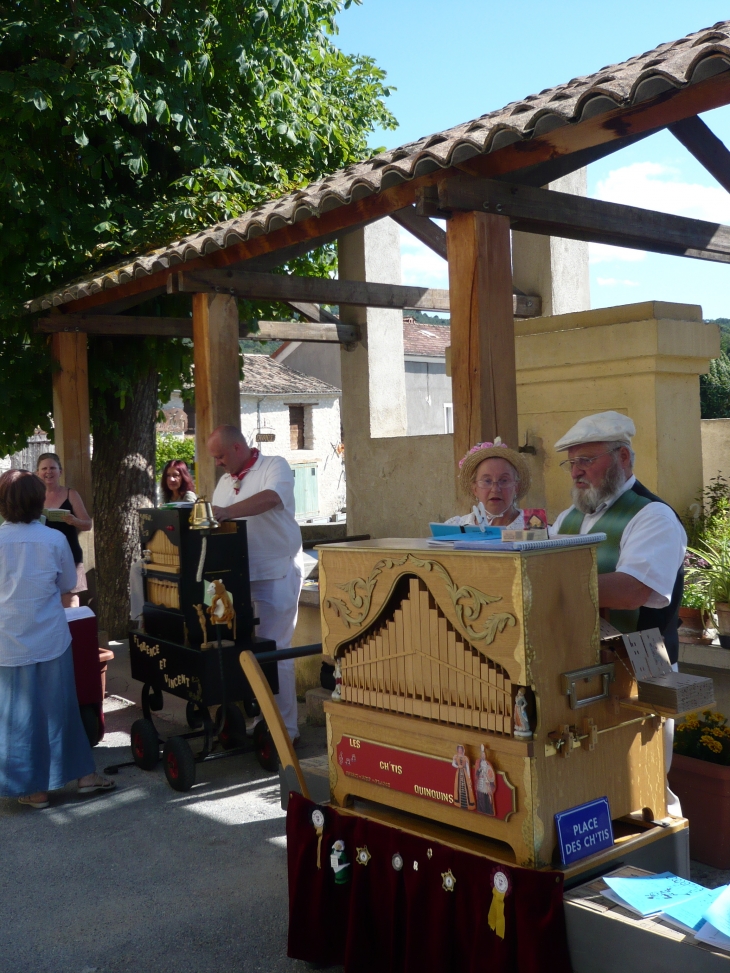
674 65
262 375
425 340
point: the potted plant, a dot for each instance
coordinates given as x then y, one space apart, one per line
707 574
693 614
700 777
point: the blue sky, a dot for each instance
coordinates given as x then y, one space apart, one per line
452 60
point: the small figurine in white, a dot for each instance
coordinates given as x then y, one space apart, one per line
522 730
339 862
337 691
486 783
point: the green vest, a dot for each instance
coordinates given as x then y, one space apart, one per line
612 523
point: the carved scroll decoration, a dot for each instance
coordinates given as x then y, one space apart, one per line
468 602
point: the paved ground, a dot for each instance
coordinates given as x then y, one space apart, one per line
148 880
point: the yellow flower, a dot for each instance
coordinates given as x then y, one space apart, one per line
718 731
711 743
691 723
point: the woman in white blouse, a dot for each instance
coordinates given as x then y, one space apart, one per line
496 477
43 745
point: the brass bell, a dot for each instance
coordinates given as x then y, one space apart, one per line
201 516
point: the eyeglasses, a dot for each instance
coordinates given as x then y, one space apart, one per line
504 483
585 461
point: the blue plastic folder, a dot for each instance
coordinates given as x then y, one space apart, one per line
650 894
446 532
692 912
718 914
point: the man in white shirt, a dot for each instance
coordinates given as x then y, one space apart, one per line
640 564
260 490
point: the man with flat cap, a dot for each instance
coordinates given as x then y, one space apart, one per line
641 562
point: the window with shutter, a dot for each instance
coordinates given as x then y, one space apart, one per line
296 426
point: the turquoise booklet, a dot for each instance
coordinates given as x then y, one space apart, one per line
718 913
651 894
690 914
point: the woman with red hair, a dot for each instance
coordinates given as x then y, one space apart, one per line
176 483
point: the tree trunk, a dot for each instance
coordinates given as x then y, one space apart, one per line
123 477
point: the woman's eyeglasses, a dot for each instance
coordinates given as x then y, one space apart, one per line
504 483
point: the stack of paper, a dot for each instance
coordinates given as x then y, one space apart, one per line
657 684
649 895
689 916
716 927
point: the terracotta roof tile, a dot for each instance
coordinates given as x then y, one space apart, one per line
672 65
262 375
425 339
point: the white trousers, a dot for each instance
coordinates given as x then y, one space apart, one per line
276 605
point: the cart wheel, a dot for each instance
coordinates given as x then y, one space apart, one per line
90 719
264 746
252 707
231 725
179 764
193 716
145 744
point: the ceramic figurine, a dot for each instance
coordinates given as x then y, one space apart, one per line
463 791
339 862
486 783
337 691
522 730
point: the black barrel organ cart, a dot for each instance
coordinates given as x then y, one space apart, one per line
196 621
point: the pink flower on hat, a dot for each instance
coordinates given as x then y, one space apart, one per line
479 446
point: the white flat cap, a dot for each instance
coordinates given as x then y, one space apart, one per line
603 427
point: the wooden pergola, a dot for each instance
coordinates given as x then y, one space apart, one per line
484 177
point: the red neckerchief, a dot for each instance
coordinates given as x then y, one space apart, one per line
237 479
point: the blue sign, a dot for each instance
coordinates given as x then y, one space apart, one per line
584 830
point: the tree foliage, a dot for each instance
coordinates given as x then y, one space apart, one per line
126 124
715 389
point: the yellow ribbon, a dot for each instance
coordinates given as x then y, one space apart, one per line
496 913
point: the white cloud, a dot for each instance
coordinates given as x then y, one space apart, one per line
614 282
651 185
420 265
602 253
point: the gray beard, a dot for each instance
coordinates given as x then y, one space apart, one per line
588 500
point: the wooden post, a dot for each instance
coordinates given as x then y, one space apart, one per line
71 412
484 386
217 375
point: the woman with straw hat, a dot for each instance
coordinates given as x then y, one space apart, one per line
497 477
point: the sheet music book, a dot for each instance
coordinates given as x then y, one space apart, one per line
560 540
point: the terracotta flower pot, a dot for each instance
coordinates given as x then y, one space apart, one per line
722 609
691 619
704 790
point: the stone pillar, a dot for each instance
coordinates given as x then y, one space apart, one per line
552 267
640 359
373 375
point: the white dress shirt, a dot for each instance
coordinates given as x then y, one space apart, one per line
463 520
36 566
652 546
274 537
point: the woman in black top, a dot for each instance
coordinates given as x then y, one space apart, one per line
49 469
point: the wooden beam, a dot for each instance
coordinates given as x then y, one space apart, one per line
216 355
322 290
313 312
545 211
705 146
343 334
483 379
612 126
422 228
110 324
117 324
72 426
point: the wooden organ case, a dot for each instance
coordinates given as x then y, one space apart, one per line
169 654
437 648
